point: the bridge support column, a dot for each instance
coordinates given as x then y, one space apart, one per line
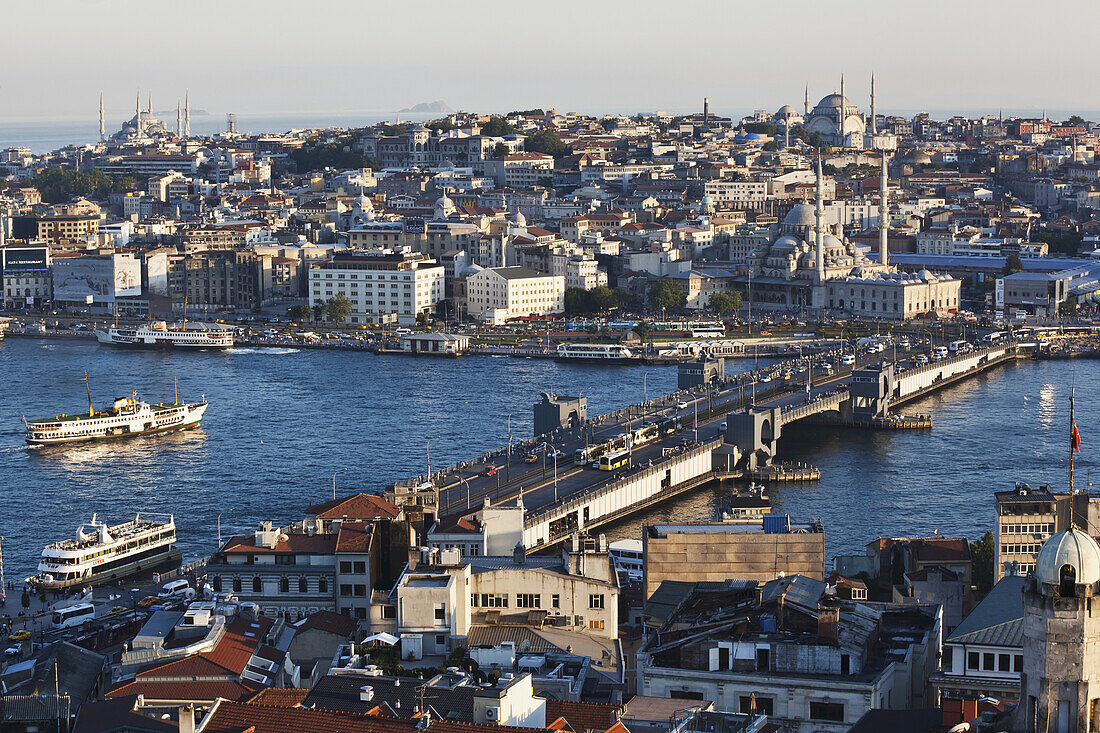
871 390
754 433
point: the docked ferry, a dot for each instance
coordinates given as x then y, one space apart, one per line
4 322
595 352
160 333
101 554
127 417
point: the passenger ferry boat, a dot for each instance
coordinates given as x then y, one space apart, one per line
101 554
4 322
160 333
628 559
595 352
127 417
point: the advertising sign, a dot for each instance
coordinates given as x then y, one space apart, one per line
100 279
999 294
24 259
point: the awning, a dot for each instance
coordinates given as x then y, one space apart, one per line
382 637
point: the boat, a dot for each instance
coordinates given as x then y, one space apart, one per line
127 417
101 554
4 323
628 559
613 353
161 334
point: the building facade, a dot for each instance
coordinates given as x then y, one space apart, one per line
379 284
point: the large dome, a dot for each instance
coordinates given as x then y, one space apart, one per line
786 111
800 216
1070 547
834 101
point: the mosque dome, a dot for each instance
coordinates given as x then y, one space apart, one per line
918 157
786 111
519 219
444 207
801 215
1070 547
362 203
706 200
834 101
833 245
786 242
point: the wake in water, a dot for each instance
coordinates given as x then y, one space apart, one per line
256 350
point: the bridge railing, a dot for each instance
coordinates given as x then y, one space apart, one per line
578 500
822 404
996 350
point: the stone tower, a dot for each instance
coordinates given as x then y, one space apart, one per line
1060 684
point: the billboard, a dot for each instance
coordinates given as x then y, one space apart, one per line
999 294
102 279
24 259
414 225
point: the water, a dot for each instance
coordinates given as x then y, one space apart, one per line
281 421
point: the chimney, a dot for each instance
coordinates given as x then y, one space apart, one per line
780 611
366 693
187 719
828 621
519 554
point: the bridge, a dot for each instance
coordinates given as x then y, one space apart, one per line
733 429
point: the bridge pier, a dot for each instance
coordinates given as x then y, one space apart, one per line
871 389
755 434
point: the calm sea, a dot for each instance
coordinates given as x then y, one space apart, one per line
282 421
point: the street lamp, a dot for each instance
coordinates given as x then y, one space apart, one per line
342 470
645 395
554 453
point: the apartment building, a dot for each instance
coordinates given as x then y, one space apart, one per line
227 279
520 170
382 283
1027 517
498 294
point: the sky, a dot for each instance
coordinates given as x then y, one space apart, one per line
591 56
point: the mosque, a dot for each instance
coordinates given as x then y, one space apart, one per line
811 264
839 122
143 128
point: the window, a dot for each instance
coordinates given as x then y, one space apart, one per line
389 611
596 625
322 585
555 601
494 600
987 661
257 585
1003 663
360 590
595 600
345 566
440 640
360 567
528 600
833 711
441 612
973 660
284 585
1018 663
345 590
217 584
303 585
763 704
236 585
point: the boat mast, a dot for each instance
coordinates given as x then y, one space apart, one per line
88 389
177 380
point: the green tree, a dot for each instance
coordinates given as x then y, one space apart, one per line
1068 308
546 142
58 185
1075 120
1013 264
498 127
337 308
423 319
318 311
761 128
536 112
392 130
443 125
981 558
725 303
771 146
500 150
339 155
643 330
666 294
300 312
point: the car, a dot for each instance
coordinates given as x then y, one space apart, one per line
847 360
681 405
12 651
531 458
490 470
722 426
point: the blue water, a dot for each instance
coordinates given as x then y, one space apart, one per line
281 421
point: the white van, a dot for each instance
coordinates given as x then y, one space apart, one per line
940 352
176 589
847 360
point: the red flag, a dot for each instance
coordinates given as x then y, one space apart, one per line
1075 437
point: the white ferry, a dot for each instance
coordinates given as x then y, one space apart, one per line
595 352
101 554
4 322
628 559
181 335
127 417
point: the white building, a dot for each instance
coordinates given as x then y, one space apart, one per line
382 283
584 272
520 170
498 294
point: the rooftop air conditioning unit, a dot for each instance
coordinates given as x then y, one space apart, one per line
492 713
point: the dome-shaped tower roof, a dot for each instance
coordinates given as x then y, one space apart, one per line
801 215
1070 547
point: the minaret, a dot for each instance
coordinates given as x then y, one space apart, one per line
137 114
883 214
806 102
840 117
787 131
149 106
706 113
179 120
102 121
874 119
187 114
819 239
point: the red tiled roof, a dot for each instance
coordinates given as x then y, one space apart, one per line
318 543
359 506
582 716
231 655
188 691
236 717
279 697
334 623
354 537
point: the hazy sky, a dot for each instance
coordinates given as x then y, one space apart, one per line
366 56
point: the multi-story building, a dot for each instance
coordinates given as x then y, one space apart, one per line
1027 517
584 272
758 550
227 279
26 275
520 170
811 662
895 295
55 227
744 195
490 530
498 294
380 283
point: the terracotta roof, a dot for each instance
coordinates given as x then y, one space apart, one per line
279 697
456 524
236 717
354 537
241 640
334 623
189 691
582 716
359 506
319 543
108 716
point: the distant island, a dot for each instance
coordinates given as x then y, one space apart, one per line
436 108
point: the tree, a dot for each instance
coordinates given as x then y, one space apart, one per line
599 299
981 557
299 312
536 112
546 142
500 150
1075 120
423 319
771 146
761 128
337 308
392 130
1068 308
443 125
318 311
643 330
58 185
498 127
1013 264
665 294
724 303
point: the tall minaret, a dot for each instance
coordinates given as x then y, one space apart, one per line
806 102
187 114
819 239
883 214
102 121
149 106
137 114
874 122
840 117
179 119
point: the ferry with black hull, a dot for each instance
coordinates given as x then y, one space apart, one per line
102 554
128 417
